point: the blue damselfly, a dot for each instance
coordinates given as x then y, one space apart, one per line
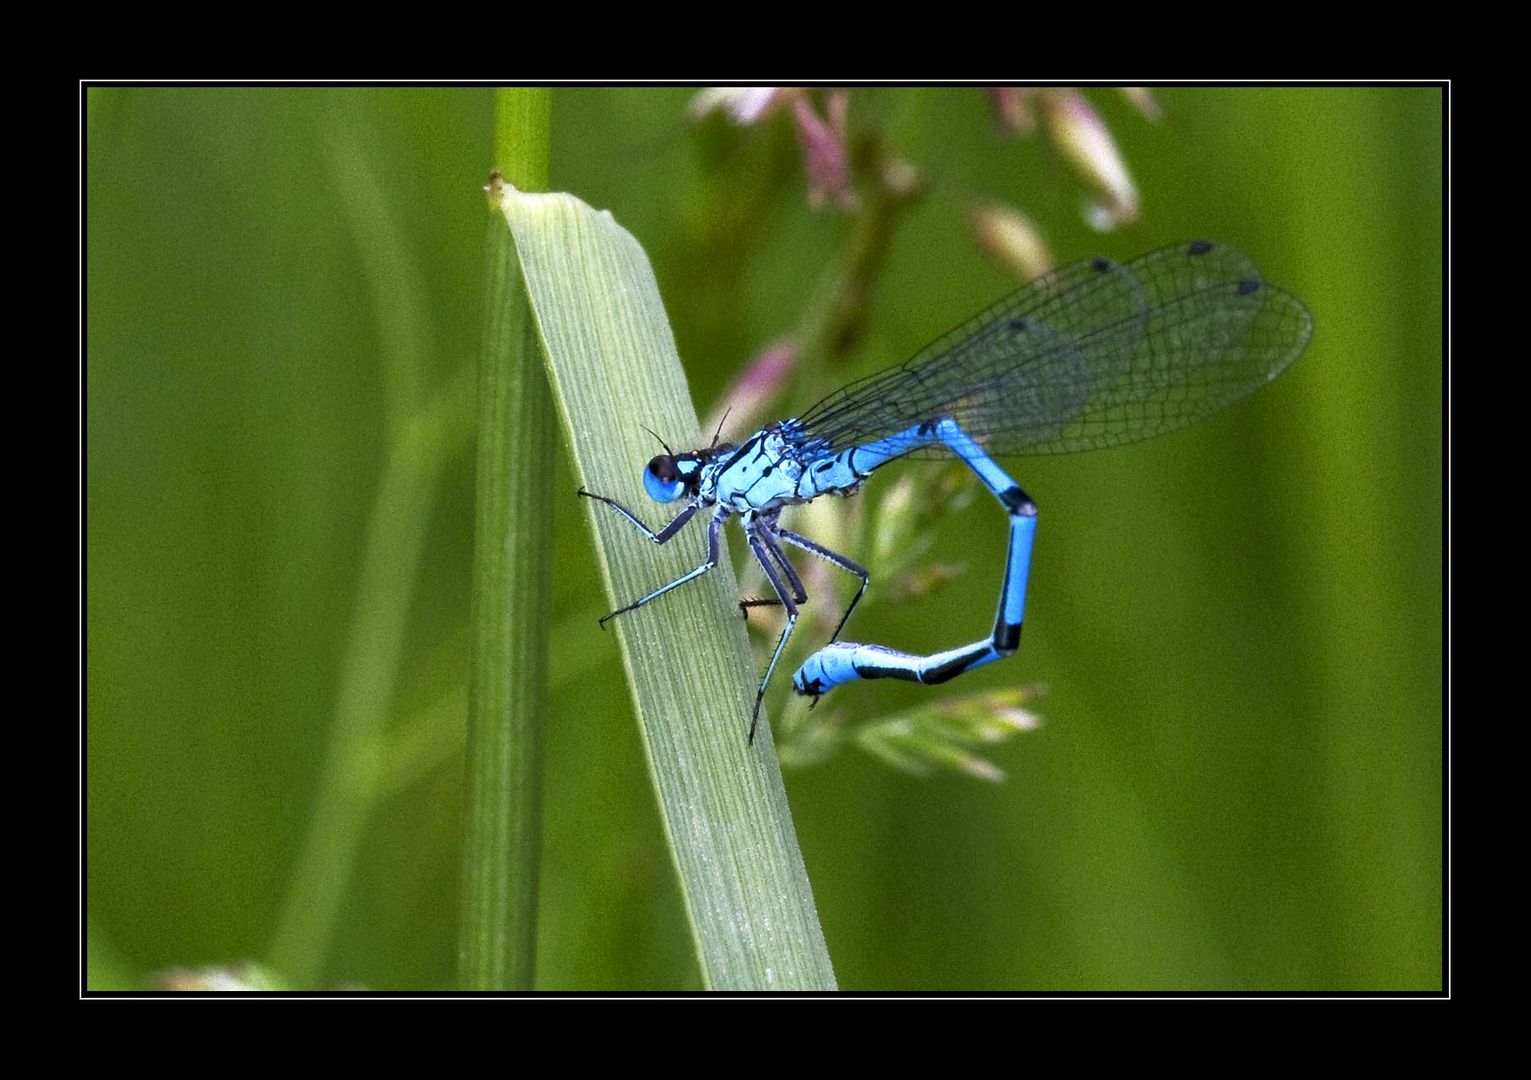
1095 354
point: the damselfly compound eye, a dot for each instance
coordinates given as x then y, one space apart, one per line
662 480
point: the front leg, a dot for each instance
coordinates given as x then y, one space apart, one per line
719 516
660 537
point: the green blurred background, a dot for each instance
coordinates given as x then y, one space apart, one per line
1238 783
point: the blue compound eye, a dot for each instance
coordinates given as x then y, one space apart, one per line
662 480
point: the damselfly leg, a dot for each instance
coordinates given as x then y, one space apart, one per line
832 557
764 545
719 516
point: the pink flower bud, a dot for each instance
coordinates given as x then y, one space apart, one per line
825 158
1142 100
741 104
750 394
1012 240
1083 139
1012 109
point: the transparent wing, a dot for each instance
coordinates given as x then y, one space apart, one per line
1095 354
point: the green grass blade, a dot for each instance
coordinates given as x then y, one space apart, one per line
512 588
612 367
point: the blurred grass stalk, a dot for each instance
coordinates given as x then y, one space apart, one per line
512 568
612 366
424 432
